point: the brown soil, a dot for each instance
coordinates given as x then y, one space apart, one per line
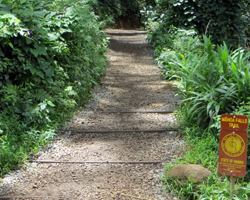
128 23
132 83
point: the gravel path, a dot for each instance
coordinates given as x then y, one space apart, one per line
132 83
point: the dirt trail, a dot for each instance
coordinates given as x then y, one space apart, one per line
132 83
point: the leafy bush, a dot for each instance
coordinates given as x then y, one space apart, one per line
212 80
224 21
17 141
211 83
184 42
52 53
110 10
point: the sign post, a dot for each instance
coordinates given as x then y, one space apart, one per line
233 147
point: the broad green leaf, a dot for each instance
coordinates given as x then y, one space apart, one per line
42 106
3 12
11 45
51 104
39 14
225 62
49 72
63 30
94 82
26 48
33 70
28 41
53 36
69 88
6 77
69 11
58 24
88 38
209 106
72 93
49 80
40 73
41 49
247 74
34 52
221 90
235 71
217 109
49 16
44 65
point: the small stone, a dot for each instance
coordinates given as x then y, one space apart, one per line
196 173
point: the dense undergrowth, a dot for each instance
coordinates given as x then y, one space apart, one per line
52 53
212 79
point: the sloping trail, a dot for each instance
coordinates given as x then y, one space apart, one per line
132 83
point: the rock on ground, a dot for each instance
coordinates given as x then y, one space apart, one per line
196 173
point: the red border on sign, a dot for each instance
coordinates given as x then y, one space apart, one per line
232 161
233 145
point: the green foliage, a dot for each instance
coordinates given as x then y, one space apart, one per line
109 10
211 83
212 80
52 54
184 42
17 140
161 38
203 150
225 21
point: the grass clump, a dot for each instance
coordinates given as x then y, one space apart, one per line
17 142
211 80
203 150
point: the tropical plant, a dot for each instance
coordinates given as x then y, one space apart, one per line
218 19
52 54
211 82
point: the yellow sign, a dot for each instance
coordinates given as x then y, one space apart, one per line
233 145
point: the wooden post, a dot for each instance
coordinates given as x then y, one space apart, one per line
232 185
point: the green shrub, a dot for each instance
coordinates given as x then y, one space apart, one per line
212 80
224 21
110 10
184 42
17 141
211 83
52 54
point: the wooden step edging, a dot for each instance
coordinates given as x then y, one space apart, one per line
98 162
140 111
120 131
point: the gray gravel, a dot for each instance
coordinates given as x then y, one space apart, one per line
132 83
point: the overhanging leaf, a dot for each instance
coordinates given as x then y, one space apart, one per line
32 70
41 49
53 36
40 73
49 72
51 104
34 52
44 65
